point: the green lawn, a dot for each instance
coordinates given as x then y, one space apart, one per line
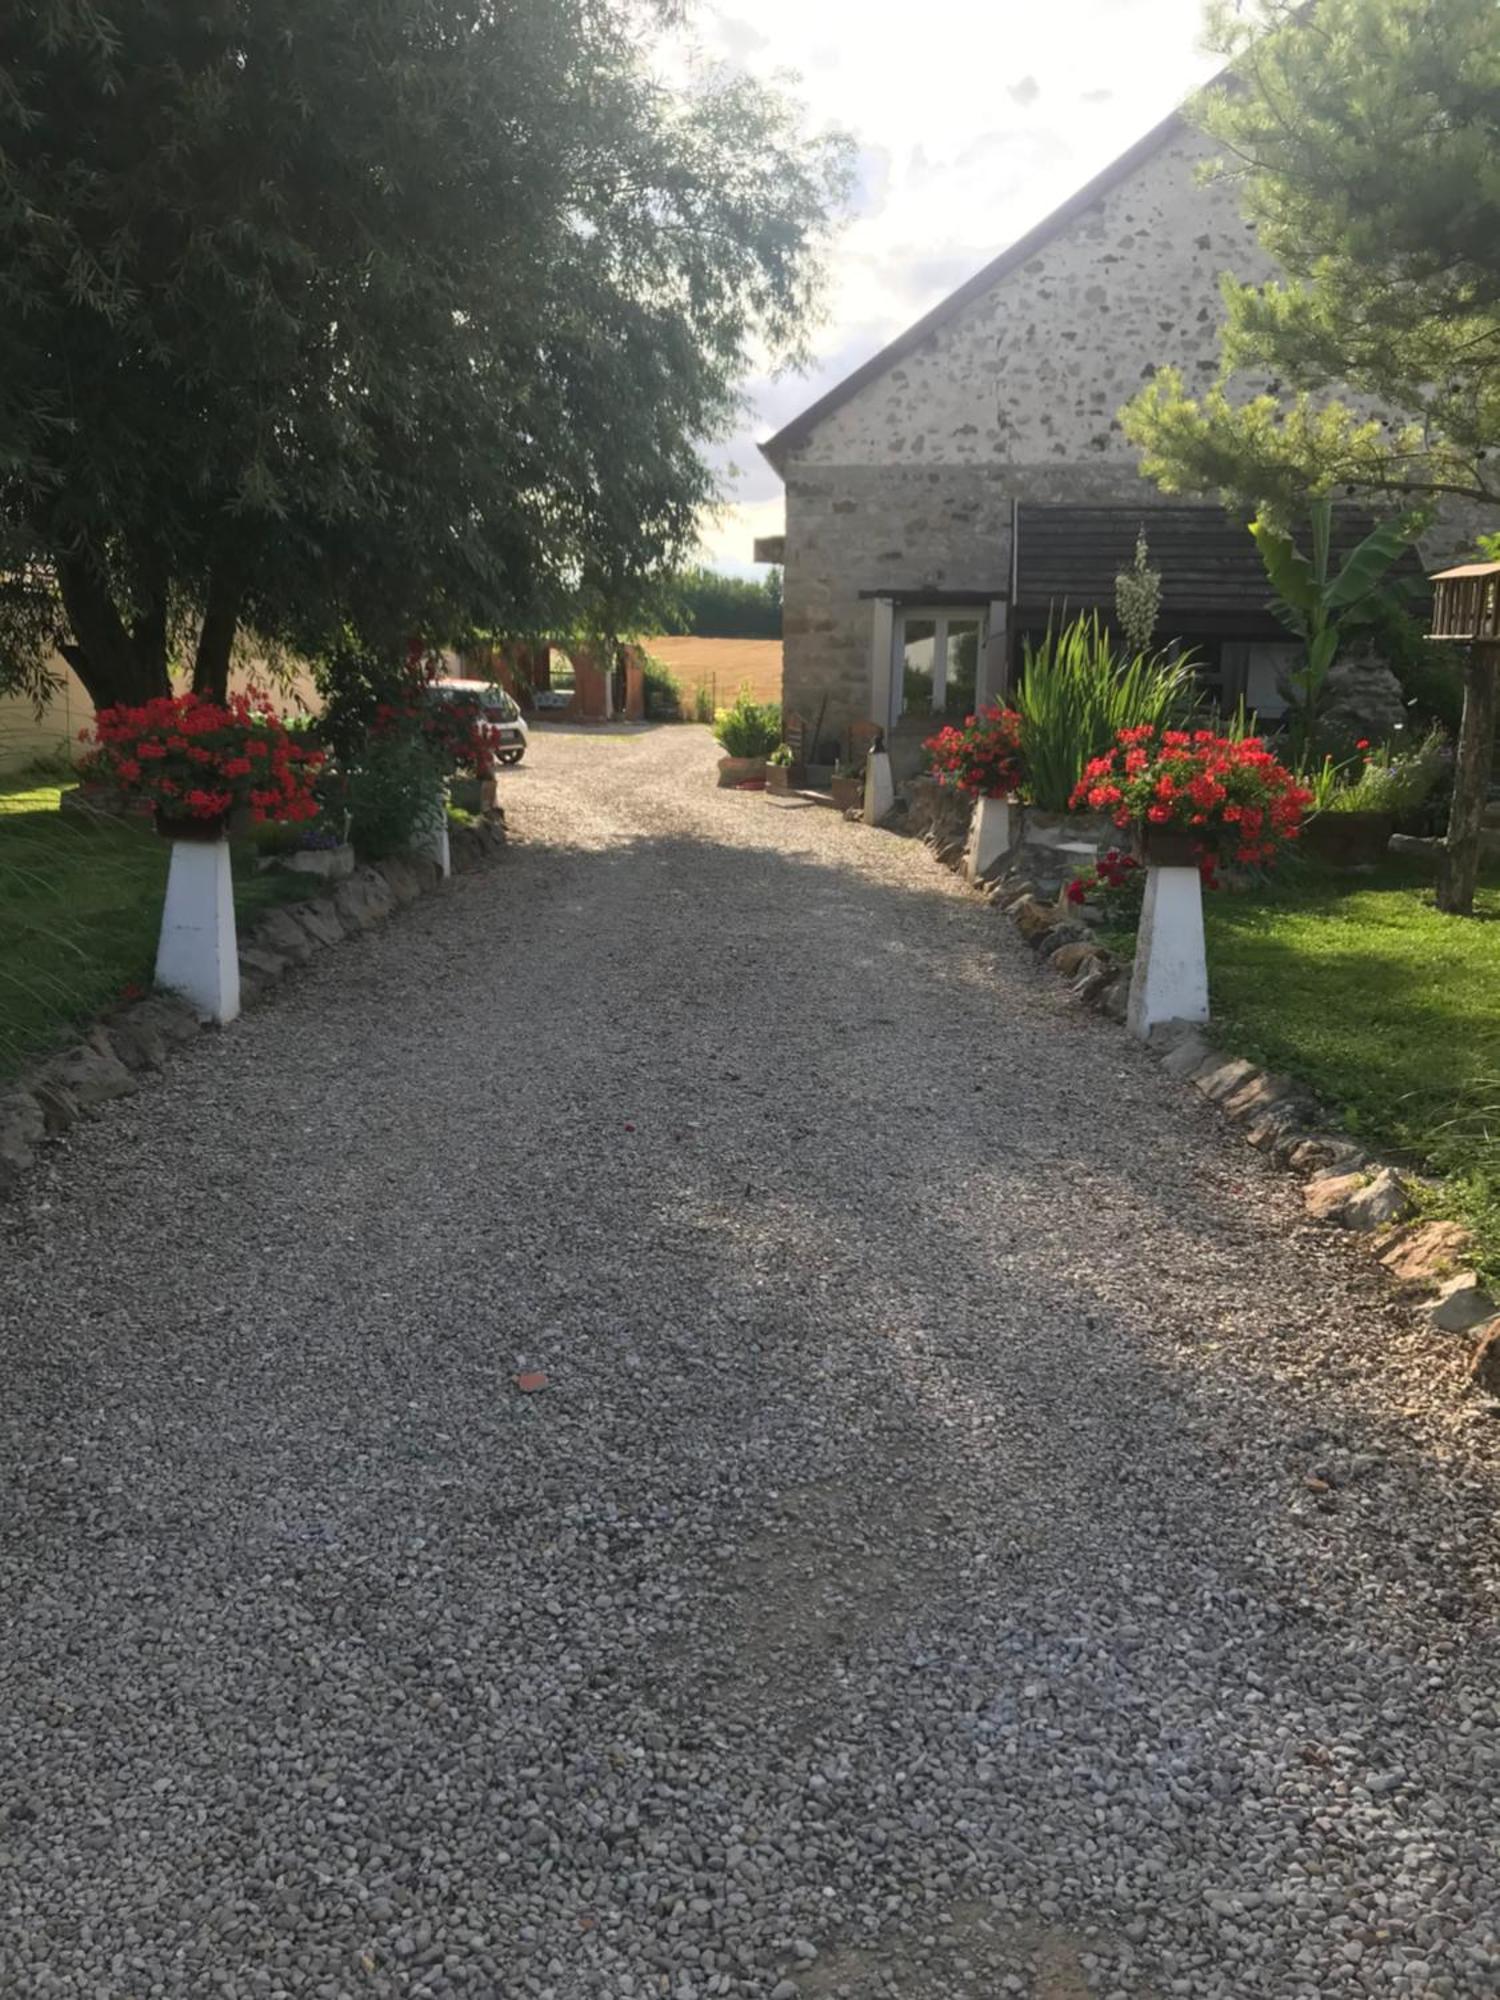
1388 1010
80 904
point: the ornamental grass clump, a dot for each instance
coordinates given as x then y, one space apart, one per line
1078 692
1230 793
983 756
191 758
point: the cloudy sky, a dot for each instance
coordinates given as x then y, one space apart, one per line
974 119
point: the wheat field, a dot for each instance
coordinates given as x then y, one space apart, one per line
725 665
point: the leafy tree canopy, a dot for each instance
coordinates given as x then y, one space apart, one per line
370 315
710 606
1364 136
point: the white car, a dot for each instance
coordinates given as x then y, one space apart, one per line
500 712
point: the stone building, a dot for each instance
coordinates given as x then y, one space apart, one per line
972 477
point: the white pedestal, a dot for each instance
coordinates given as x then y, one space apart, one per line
1170 981
198 956
880 787
431 838
992 835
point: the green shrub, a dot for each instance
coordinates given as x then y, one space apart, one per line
703 703
391 793
751 728
663 692
1077 693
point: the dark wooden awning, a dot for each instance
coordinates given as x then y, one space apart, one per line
1212 578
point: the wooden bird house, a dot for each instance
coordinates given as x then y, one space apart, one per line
1466 603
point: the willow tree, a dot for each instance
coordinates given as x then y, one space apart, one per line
383 314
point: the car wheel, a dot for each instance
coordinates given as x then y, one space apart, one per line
512 756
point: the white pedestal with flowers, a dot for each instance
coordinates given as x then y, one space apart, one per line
983 758
1189 798
993 832
1170 980
195 761
198 955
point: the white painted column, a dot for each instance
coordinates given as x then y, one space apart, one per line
880 787
431 837
992 834
882 663
994 661
198 953
1170 981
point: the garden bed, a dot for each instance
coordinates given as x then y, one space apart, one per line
80 909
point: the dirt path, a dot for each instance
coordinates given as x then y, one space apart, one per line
909 1582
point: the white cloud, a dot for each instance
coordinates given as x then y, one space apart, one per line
972 124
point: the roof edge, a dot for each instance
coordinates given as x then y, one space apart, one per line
774 449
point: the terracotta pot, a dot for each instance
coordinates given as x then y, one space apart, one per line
1165 846
174 827
1347 840
785 777
742 771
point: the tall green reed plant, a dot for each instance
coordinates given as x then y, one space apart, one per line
1078 691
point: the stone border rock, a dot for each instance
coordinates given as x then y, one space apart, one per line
136 1040
1346 1185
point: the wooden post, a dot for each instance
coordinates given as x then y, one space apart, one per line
1466 610
1472 770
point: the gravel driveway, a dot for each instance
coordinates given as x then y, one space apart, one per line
917 1578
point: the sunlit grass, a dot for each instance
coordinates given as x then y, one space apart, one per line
80 906
1387 1008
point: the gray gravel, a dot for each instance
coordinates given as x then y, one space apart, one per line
977 1539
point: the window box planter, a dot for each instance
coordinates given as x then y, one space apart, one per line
785 777
1348 840
742 772
1165 846
848 793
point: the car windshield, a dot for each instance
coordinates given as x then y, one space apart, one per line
495 702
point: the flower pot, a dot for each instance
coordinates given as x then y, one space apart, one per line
1347 840
848 793
785 777
1166 846
742 771
183 826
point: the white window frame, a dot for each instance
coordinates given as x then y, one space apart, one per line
941 616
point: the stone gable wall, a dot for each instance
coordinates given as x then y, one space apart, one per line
910 484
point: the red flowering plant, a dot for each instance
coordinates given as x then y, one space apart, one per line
452 727
192 758
1229 793
984 756
1116 884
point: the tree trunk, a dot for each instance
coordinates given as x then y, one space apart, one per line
117 666
221 618
1471 784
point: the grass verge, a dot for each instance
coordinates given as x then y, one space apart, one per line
80 907
1389 1010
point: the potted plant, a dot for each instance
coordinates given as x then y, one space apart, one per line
1356 804
783 772
198 764
1195 798
983 758
848 786
747 734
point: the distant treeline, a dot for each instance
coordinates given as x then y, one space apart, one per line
704 605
